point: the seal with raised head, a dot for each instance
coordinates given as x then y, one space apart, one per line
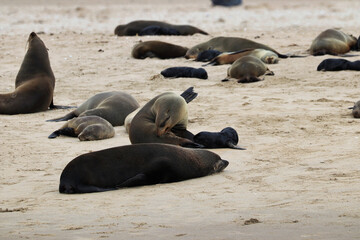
228 44
247 69
334 42
356 110
137 165
34 84
135 27
86 128
112 106
157 49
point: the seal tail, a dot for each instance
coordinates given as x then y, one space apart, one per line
189 94
64 118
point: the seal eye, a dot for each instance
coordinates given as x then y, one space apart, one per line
164 122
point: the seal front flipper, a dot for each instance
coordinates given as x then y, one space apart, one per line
54 134
189 94
64 131
138 180
233 146
64 118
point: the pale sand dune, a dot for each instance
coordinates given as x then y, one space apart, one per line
299 175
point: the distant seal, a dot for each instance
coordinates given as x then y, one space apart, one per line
333 42
336 64
226 138
137 165
226 3
227 44
135 27
158 31
157 49
185 72
34 84
112 106
247 69
356 110
207 55
86 128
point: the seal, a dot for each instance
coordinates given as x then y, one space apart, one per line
247 69
333 42
86 128
34 83
356 110
157 49
228 44
137 165
226 138
112 106
159 31
135 27
207 55
338 64
226 3
185 72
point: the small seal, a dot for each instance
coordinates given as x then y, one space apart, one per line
247 69
356 110
137 165
86 128
157 49
112 106
159 31
226 138
135 27
226 3
207 55
185 72
337 64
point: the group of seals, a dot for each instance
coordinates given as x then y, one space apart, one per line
157 49
186 72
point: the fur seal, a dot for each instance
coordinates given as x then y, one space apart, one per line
157 49
86 128
356 110
34 83
226 138
137 165
336 64
227 44
333 42
159 31
247 69
185 72
135 27
207 55
226 3
112 106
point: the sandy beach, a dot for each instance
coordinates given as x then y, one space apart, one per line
299 177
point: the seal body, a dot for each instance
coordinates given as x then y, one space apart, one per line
226 138
333 42
247 69
86 128
186 72
135 27
34 84
356 110
112 106
207 55
157 49
157 30
336 64
137 165
226 3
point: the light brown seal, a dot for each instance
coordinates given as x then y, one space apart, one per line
112 106
135 27
333 42
247 69
157 49
356 110
137 165
86 128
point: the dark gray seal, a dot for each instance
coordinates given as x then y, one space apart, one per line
158 49
158 31
185 72
338 64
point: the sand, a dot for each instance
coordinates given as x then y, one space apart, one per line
299 177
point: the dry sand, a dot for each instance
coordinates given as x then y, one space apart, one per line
299 175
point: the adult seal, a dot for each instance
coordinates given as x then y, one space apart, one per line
135 27
333 42
112 106
356 110
34 83
86 128
137 165
158 49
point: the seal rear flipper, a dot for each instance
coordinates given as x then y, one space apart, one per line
138 180
64 131
189 94
52 106
54 134
183 133
64 118
233 146
63 188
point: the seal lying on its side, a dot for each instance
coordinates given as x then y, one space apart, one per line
157 49
356 110
336 64
158 31
185 72
137 165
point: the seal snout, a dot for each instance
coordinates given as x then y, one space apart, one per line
32 35
220 165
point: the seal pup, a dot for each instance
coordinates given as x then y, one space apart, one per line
135 27
137 165
247 69
336 64
112 106
159 31
185 72
86 128
226 138
226 3
356 110
157 49
207 55
333 42
34 83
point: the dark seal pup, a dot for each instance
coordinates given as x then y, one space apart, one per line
207 55
226 138
86 128
34 84
112 106
336 64
137 165
226 3
356 110
157 49
185 72
158 31
135 27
